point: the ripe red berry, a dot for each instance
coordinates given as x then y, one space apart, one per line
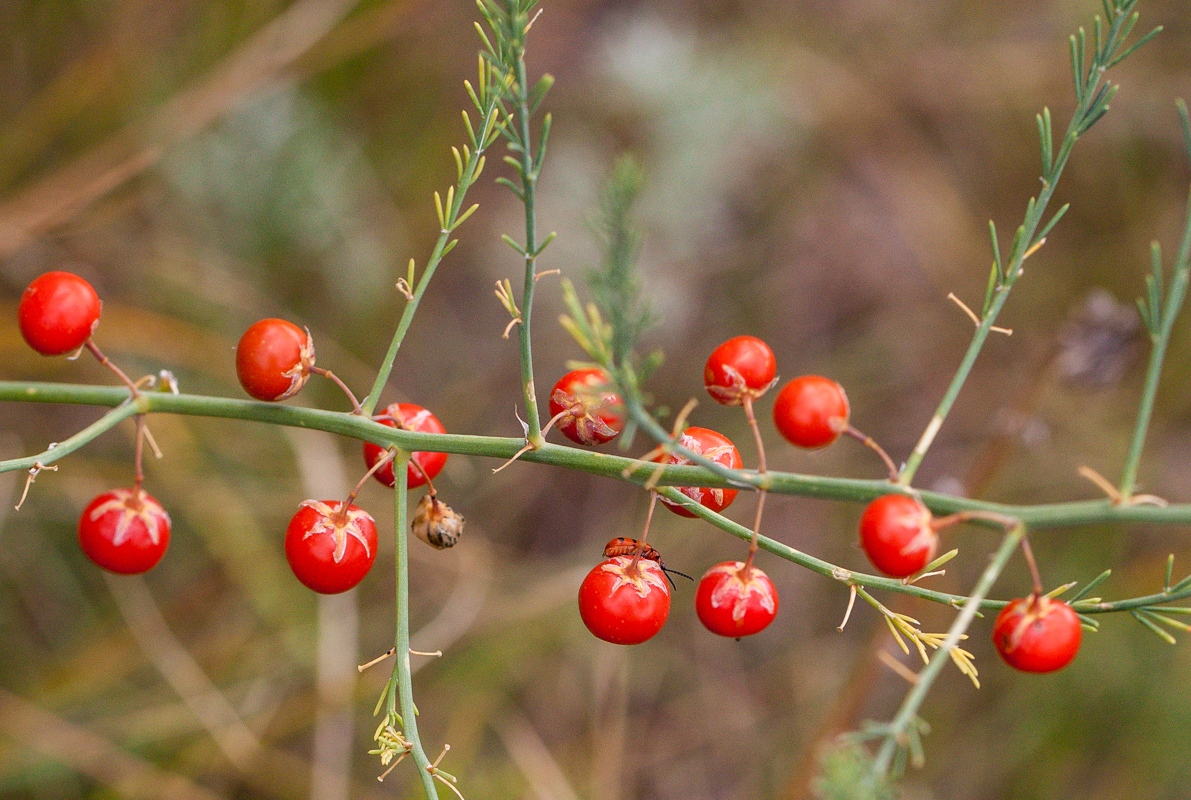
897 536
714 446
743 366
811 411
732 605
1037 634
413 418
273 359
124 531
622 603
591 411
330 549
58 313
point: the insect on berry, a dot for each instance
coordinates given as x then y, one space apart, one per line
330 548
624 602
1037 634
897 534
742 367
624 546
412 417
124 531
274 359
730 602
711 445
811 411
58 313
588 411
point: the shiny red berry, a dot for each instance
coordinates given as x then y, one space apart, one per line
273 359
741 367
731 604
413 418
124 531
591 411
1037 634
711 445
330 549
58 313
623 603
897 535
811 411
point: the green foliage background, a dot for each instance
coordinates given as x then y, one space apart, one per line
820 174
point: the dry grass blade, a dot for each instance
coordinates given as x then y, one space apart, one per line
93 755
255 65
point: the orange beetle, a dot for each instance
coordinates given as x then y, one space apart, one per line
624 546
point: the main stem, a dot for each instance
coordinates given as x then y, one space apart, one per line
401 669
916 696
529 181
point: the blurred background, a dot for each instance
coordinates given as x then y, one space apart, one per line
821 175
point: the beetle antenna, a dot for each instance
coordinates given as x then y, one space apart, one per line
669 572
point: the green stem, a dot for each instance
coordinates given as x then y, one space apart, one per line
64 448
529 182
1050 515
401 671
440 246
916 696
1170 311
1053 515
1024 242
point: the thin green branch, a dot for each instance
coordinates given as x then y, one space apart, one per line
1160 317
1092 104
450 216
402 678
529 183
510 22
67 446
896 731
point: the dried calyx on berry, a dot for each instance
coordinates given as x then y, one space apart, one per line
436 523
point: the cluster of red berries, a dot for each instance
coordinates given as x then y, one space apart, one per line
331 545
124 530
626 600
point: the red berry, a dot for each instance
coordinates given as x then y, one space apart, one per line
591 411
1037 634
330 550
714 446
622 603
58 313
897 536
274 358
811 411
731 605
743 366
413 418
124 531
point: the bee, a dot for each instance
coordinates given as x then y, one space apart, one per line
624 546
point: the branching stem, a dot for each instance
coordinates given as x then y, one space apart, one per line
917 694
1091 104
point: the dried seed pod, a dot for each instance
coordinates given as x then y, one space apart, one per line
436 523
